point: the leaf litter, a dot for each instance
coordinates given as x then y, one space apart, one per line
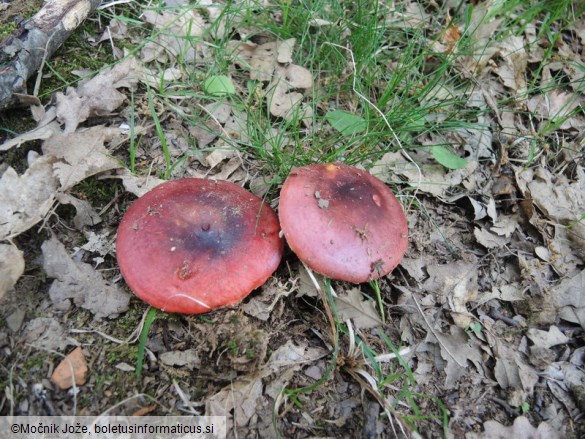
272 63
78 283
490 296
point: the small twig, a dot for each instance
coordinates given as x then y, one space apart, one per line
495 314
186 400
132 338
112 201
111 41
507 407
50 212
43 62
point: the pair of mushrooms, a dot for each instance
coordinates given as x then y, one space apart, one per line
193 245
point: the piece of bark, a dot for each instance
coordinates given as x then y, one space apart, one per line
36 40
73 369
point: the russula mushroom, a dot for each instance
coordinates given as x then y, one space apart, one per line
193 245
342 222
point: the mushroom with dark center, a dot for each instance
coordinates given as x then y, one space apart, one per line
342 222
194 245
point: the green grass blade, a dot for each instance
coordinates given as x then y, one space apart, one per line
148 321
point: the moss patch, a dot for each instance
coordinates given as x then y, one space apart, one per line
16 12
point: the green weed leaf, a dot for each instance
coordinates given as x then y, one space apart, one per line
219 85
346 123
447 158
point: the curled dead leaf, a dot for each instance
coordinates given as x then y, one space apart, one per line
98 95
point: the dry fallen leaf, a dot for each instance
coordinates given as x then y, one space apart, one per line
82 154
282 100
262 305
458 353
144 411
291 355
433 179
240 398
15 320
125 367
560 199
116 30
507 292
210 124
42 132
456 284
26 199
569 296
521 429
80 282
98 95
218 155
101 243
222 22
85 214
187 358
505 226
361 311
228 170
556 106
547 339
174 25
512 371
154 78
260 60
46 333
566 254
489 240
512 69
11 267
481 28
415 266
72 370
285 51
272 62
137 184
451 35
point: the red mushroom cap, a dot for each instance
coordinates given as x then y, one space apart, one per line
342 222
193 245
